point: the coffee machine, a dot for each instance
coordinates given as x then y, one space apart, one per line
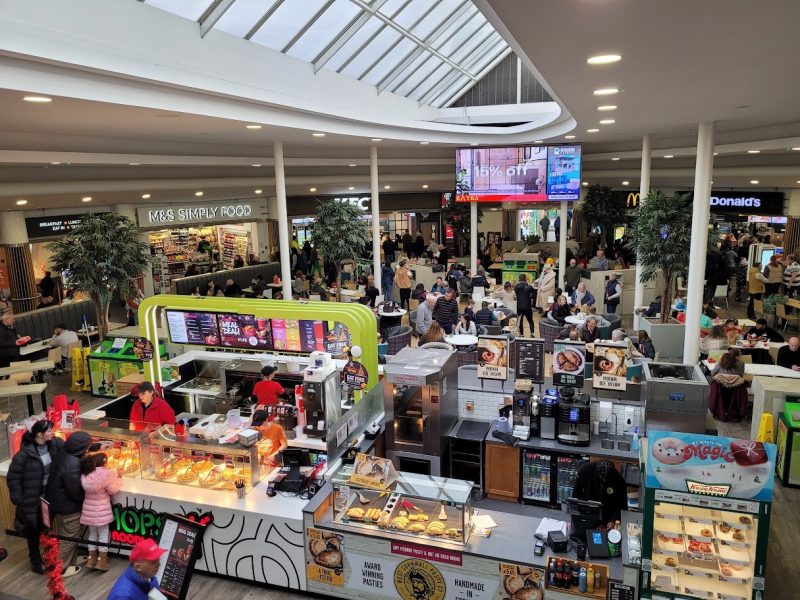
548 415
321 394
522 409
574 419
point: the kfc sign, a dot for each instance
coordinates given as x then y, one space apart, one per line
360 202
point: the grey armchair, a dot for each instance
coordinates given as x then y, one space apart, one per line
398 338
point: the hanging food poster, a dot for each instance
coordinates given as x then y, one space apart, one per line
143 349
610 367
492 358
355 375
709 465
569 359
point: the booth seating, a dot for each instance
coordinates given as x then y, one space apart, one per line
39 324
243 276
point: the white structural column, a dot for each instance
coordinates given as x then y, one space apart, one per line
376 216
128 210
562 244
644 189
473 238
697 252
283 222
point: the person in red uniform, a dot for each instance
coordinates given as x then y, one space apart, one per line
267 390
149 408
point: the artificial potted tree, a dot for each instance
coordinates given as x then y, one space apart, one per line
661 238
340 234
603 208
103 254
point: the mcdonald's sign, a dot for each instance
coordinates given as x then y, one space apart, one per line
633 200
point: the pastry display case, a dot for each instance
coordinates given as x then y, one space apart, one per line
417 506
201 463
117 441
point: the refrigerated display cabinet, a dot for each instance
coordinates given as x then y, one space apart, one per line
548 478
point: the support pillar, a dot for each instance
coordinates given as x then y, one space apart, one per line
473 238
376 216
697 251
17 262
146 280
644 189
283 222
562 244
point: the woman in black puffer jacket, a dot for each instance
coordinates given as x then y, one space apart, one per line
27 479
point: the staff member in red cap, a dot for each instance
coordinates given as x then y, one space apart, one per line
140 576
149 408
267 390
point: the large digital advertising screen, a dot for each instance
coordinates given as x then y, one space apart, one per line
518 174
193 328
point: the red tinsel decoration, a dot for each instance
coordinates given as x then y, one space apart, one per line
52 560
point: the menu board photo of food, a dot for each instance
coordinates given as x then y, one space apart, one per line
312 335
195 328
245 331
609 371
569 360
492 358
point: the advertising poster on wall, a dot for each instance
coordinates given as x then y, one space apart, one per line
569 359
492 358
610 367
324 557
564 173
355 375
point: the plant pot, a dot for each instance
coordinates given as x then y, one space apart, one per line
667 337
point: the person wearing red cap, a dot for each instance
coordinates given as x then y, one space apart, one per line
267 390
149 408
140 576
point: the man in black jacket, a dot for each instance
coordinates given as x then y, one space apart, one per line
9 349
484 316
524 293
600 481
65 495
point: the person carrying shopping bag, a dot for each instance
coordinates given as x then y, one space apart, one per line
99 483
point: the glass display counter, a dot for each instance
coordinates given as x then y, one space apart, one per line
417 506
117 441
197 462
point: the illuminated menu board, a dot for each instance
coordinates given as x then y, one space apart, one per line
195 328
245 331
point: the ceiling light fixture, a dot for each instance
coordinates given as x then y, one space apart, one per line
253 126
585 184
538 141
593 130
312 189
796 148
716 153
626 183
754 181
798 181
615 158
376 140
38 99
22 202
607 107
198 194
387 187
603 59
134 164
606 92
569 137
607 122
351 188
424 186
257 191
255 165
318 134
424 143
669 156
754 151
351 164
473 143
86 199
55 162
145 196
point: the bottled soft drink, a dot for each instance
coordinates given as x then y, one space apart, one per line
590 578
559 574
575 574
551 576
582 581
598 580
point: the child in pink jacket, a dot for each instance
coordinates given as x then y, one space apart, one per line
99 484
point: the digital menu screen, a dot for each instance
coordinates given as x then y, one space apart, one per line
195 328
181 538
286 335
312 335
529 359
245 331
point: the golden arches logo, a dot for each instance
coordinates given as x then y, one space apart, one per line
633 200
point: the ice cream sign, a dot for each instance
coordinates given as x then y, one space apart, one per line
709 465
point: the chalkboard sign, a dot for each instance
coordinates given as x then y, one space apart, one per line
620 591
528 357
182 539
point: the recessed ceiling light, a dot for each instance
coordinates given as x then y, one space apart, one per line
615 158
312 189
798 181
376 140
716 153
145 196
134 164
593 130
22 202
585 184
351 188
351 164
318 134
86 199
257 191
607 122
255 165
754 151
669 156
606 91
538 141
607 107
603 59
54 162
754 181
569 137
198 194
796 148
254 126
424 143
424 186
387 187
626 183
473 143
38 99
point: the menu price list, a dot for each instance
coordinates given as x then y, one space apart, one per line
179 541
530 359
245 331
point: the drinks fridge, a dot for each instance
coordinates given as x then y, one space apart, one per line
548 479
706 517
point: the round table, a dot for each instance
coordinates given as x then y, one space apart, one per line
461 339
493 302
575 319
387 320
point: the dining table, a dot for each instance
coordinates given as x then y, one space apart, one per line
756 370
461 339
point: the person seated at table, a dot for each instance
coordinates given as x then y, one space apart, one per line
465 284
196 292
601 320
434 334
9 345
419 294
582 297
711 310
761 329
589 330
63 338
317 287
570 332
729 364
232 289
469 309
644 345
479 281
707 318
466 326
191 270
268 390
680 304
789 355
561 310
453 276
425 314
485 316
715 343
371 293
506 294
46 302
257 285
149 408
298 284
438 287
599 262
271 432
